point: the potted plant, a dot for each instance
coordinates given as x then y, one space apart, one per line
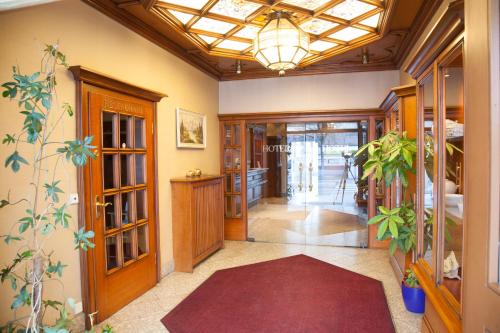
41 199
390 159
413 294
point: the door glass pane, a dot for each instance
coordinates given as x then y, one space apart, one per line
335 197
237 182
126 208
109 125
111 253
276 182
139 133
126 170
110 212
233 206
140 167
228 182
227 135
453 78
108 172
232 158
127 246
125 131
236 131
142 239
429 153
140 199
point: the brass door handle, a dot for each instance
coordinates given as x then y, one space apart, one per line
301 169
100 204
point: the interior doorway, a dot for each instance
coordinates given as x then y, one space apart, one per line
304 183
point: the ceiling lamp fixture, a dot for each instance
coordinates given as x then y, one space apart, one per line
280 45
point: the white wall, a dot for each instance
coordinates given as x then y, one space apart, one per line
307 93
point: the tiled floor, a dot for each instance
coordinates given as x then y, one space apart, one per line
144 314
315 224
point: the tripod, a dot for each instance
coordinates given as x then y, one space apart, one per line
345 175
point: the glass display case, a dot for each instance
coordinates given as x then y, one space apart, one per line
440 170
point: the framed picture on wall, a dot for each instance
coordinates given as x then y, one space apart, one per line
191 129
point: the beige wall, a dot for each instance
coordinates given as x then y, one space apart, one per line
306 93
89 38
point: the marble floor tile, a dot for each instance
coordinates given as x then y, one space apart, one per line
144 314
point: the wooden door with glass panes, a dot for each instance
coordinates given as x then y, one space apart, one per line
122 208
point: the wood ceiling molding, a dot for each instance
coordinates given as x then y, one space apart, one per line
421 21
386 46
450 26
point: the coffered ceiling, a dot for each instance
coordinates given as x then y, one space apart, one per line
216 35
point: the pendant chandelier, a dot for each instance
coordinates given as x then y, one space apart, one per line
280 45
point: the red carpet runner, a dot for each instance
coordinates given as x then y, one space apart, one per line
294 294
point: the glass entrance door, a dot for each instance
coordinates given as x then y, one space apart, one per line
304 187
335 195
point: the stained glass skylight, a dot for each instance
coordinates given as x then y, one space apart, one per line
208 39
326 21
183 17
233 45
350 9
208 24
249 32
307 4
321 45
348 34
372 21
196 4
317 26
237 9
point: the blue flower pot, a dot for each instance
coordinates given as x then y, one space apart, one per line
414 299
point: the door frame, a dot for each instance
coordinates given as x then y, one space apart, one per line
84 76
344 115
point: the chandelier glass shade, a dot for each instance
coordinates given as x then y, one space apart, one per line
280 45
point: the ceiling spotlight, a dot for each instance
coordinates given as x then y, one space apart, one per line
365 57
238 66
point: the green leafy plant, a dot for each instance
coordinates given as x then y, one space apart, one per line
411 279
45 208
390 159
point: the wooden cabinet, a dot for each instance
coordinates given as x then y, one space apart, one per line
233 166
400 108
441 194
256 180
197 219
